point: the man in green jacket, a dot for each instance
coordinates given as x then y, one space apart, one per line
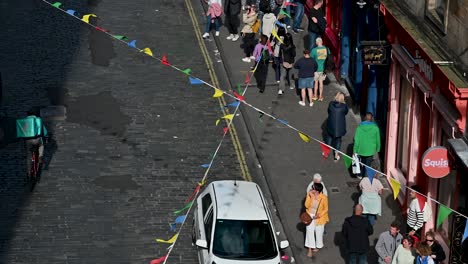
367 141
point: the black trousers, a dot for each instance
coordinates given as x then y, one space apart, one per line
249 44
261 75
232 23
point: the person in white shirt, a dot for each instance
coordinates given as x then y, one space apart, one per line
317 179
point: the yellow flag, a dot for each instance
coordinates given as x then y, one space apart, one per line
217 93
217 121
148 51
228 116
304 137
273 32
395 187
170 241
86 17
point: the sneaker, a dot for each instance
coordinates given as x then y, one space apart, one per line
301 103
300 29
252 57
337 158
206 35
246 59
311 104
280 92
217 33
288 26
314 98
235 38
230 37
277 81
292 87
295 31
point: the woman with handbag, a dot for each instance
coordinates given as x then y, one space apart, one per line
316 205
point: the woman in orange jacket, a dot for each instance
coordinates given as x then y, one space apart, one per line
316 204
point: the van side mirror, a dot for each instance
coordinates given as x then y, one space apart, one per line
284 244
203 244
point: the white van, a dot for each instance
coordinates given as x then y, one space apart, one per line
232 224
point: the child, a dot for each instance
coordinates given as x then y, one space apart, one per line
213 16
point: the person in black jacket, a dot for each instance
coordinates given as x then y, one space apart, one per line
356 231
438 254
336 122
232 9
288 50
317 23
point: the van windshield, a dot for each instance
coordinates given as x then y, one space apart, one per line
240 239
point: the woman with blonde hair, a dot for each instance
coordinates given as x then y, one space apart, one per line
336 122
424 254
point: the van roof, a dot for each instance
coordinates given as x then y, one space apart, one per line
242 201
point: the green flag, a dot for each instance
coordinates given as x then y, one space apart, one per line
284 13
57 4
444 212
239 90
187 71
120 37
185 207
347 161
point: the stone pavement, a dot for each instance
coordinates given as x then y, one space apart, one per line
287 163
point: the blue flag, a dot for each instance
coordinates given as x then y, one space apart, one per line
234 104
71 12
283 121
180 219
205 165
465 234
195 81
132 44
370 173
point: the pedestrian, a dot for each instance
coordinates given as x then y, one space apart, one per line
370 198
277 53
286 19
317 179
319 53
213 17
404 253
268 22
336 123
388 243
424 252
317 23
248 35
356 231
367 141
437 252
306 68
416 217
232 9
298 15
262 57
288 50
316 204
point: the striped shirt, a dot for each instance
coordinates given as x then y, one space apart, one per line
415 215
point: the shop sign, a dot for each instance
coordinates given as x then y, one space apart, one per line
374 53
435 162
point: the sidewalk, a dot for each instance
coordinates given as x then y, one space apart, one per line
288 163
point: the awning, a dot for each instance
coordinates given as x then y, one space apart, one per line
459 148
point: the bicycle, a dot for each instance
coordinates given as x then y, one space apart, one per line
34 167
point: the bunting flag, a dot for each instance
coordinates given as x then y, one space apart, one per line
443 213
102 29
147 51
230 116
325 150
304 137
120 37
159 260
195 81
180 219
347 161
71 12
279 24
57 4
284 122
170 241
273 32
202 182
164 61
289 4
395 187
247 77
421 201
282 12
182 209
206 165
197 189
233 104
465 234
238 96
132 44
187 71
370 173
218 93
239 89
225 130
86 17
268 44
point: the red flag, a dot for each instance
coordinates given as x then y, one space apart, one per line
289 4
164 61
159 260
325 150
269 46
193 194
225 130
247 78
421 201
238 96
101 29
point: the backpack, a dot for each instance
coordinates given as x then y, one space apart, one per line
256 26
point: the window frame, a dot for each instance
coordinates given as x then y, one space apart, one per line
429 14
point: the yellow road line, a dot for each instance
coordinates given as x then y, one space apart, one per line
209 63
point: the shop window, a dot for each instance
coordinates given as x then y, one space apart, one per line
437 12
404 119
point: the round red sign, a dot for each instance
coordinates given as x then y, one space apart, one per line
435 162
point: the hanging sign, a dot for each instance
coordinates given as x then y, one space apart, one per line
374 53
435 162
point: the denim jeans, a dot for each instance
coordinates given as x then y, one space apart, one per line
365 160
331 139
312 37
287 20
371 218
277 65
299 13
208 24
357 258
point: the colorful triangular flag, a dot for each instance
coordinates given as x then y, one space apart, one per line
304 137
230 116
233 104
289 4
268 44
225 130
206 165
347 160
170 241
247 78
395 187
71 12
217 121
443 213
57 4
180 219
465 234
282 12
195 81
132 44
182 209
279 24
164 61
197 189
187 71
370 173
239 90
325 150
86 17
421 201
218 93
101 29
159 260
238 96
147 51
282 121
273 32
120 37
